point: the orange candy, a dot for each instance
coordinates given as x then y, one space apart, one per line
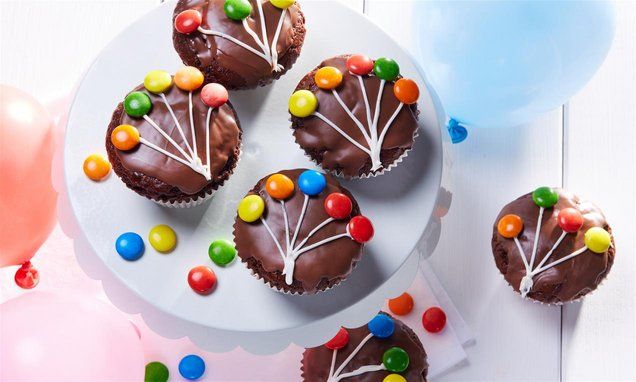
96 167
328 77
510 226
188 78
401 305
406 91
125 137
279 186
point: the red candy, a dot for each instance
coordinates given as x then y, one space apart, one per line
214 95
338 205
339 341
570 220
27 277
361 229
188 21
434 320
359 64
202 279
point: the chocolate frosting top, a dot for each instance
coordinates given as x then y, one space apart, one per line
230 55
224 139
315 136
331 260
569 280
317 361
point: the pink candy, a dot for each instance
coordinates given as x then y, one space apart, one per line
214 95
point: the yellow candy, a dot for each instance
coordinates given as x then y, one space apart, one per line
394 378
303 103
282 4
162 238
597 239
157 81
251 208
188 78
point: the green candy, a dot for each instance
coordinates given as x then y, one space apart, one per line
222 252
237 9
395 359
545 197
156 372
386 69
137 104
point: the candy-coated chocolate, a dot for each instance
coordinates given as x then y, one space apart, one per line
406 91
302 103
137 104
237 9
395 359
311 182
360 64
597 240
187 21
96 167
27 276
156 372
130 246
545 197
162 238
382 326
394 378
191 367
214 95
251 208
570 219
222 252
340 340
282 4
361 229
157 81
279 186
125 137
338 205
328 77
386 69
401 305
201 279
434 319
510 226
188 78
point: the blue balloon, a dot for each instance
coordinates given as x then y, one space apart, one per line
503 63
311 182
191 367
382 326
130 246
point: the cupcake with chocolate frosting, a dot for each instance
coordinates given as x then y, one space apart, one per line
173 140
552 246
355 117
300 231
240 44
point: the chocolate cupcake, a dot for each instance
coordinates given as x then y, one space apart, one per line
240 44
355 117
552 246
175 145
300 231
384 350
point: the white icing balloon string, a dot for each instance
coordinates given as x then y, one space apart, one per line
536 237
251 32
334 376
167 137
339 130
366 100
557 262
207 141
194 135
261 14
361 370
271 233
313 231
523 255
177 124
288 246
353 117
547 256
333 362
300 220
321 242
171 155
274 47
236 41
390 121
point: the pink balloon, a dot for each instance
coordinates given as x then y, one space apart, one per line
52 337
27 197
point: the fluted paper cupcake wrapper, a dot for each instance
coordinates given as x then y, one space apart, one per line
561 303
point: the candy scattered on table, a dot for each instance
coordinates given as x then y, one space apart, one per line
125 137
192 367
130 246
395 359
510 226
222 252
157 81
137 104
406 91
96 167
279 186
570 220
401 305
214 95
434 319
360 64
27 276
156 372
282 4
340 340
338 205
394 378
302 103
597 240
361 229
187 21
311 182
386 69
202 279
251 208
162 238
382 326
545 197
188 78
237 9
328 77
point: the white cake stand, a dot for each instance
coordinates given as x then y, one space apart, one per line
242 311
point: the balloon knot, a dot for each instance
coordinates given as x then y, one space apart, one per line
458 133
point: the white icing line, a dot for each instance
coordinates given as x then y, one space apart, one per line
363 89
274 238
353 117
251 32
353 354
194 135
300 220
557 262
339 130
176 121
361 370
313 231
388 124
288 247
274 47
563 234
333 362
376 113
536 237
164 152
523 255
236 41
263 29
321 242
207 140
167 137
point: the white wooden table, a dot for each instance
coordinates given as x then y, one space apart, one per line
586 146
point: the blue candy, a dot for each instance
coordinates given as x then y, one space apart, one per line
382 326
130 246
191 367
311 182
